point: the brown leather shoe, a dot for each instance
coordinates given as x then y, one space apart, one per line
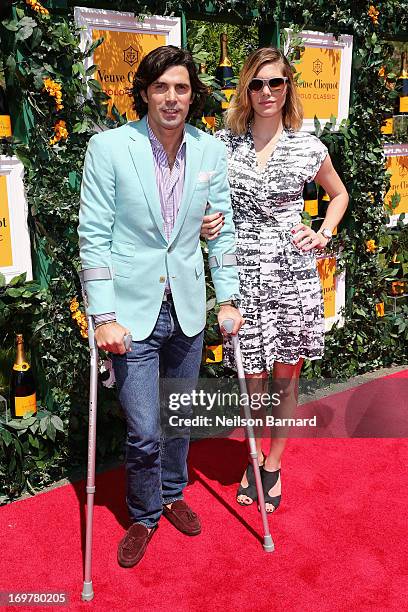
183 518
133 546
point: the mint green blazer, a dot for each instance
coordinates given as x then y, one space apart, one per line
121 227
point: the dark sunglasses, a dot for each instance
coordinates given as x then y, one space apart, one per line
274 84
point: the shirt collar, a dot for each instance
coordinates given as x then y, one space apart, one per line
155 142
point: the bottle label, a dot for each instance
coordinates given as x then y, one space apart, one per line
217 353
228 93
388 126
5 126
209 122
21 367
311 207
25 404
404 104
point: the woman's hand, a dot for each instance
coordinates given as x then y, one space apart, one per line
212 225
307 239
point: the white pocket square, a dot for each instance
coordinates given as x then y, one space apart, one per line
204 177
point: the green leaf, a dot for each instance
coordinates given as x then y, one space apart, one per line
24 33
51 431
17 424
94 85
34 442
18 279
27 22
12 26
317 126
44 424
6 436
57 422
11 64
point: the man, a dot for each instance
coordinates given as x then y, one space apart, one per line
144 193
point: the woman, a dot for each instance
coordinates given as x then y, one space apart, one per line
269 161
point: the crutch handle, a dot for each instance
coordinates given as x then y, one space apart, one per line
127 341
228 325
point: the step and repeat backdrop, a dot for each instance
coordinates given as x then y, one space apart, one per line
324 87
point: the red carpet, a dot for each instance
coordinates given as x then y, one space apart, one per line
340 537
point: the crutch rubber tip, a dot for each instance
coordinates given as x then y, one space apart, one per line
268 544
87 591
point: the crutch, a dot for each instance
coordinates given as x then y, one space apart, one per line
268 544
85 276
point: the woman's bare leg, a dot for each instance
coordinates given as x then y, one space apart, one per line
286 383
256 384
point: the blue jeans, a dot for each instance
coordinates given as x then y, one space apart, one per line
156 464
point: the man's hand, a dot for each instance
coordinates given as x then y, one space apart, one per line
230 312
212 225
109 337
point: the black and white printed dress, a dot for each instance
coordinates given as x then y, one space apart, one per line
280 287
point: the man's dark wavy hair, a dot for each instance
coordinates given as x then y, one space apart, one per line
152 67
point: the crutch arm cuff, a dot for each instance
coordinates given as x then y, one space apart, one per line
226 259
92 274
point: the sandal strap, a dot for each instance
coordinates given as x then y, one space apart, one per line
249 491
269 480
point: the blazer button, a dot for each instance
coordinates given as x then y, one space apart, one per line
162 279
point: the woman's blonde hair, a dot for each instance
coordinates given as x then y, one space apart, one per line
240 113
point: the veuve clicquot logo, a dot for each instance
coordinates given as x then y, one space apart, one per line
22 384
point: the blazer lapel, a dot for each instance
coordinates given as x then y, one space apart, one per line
141 153
194 156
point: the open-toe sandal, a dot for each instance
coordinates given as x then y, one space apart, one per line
269 480
250 490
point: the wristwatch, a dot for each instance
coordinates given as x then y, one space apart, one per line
233 301
327 233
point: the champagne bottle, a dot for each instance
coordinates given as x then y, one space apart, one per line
387 126
5 122
310 198
401 87
208 118
224 73
22 385
323 202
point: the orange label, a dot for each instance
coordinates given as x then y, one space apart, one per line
228 93
379 308
209 122
326 268
6 254
21 367
398 166
404 104
388 126
117 60
311 207
5 126
217 350
25 404
319 70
